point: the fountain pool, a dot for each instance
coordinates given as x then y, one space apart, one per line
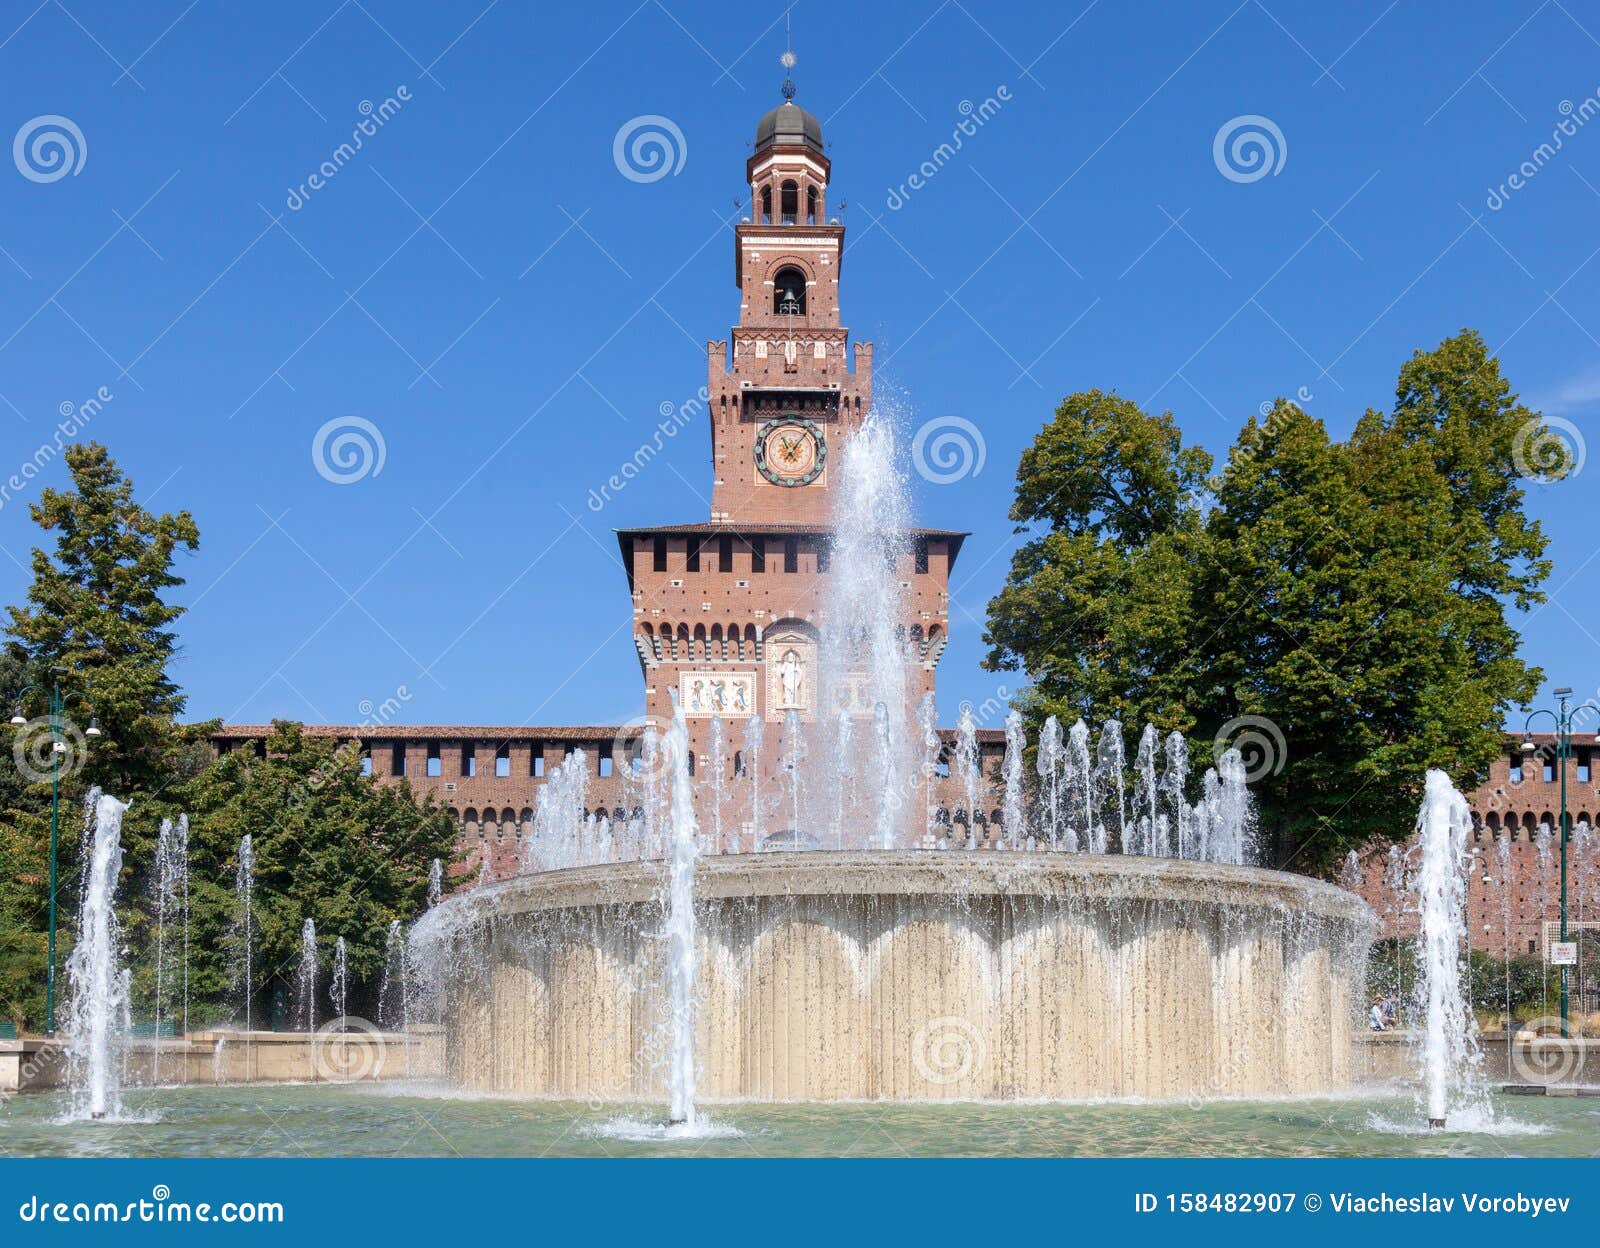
327 1120
904 975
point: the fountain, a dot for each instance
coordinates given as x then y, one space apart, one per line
339 988
680 930
1113 949
435 882
244 925
171 902
306 979
97 1021
1447 1045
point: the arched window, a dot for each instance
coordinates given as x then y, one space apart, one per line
789 202
691 762
766 205
789 292
738 762
811 205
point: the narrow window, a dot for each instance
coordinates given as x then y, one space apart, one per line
606 765
738 762
1583 772
724 554
538 761
502 761
1549 772
922 554
397 759
661 554
791 554
435 767
1516 773
471 769
758 555
366 764
693 561
691 762
822 555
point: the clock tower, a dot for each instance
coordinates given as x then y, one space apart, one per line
785 397
728 612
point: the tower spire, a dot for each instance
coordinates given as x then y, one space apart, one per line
787 60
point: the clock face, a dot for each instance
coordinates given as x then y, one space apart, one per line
790 450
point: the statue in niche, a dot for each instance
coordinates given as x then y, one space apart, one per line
791 680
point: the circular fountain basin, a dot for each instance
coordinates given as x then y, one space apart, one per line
907 975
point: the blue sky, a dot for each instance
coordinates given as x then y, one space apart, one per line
483 285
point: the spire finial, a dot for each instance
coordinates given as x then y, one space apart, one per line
787 60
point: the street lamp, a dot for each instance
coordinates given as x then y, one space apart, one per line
1563 722
58 747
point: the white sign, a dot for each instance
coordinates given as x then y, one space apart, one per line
1563 953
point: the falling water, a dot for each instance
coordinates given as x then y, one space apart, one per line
1544 842
1451 1065
1110 798
842 801
394 990
1145 813
1502 858
435 883
1050 760
305 978
171 905
244 924
1174 780
96 1022
792 765
932 747
680 928
1082 790
1011 770
866 609
339 989
967 771
716 769
755 735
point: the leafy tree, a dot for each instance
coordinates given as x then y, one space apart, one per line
98 609
343 849
1352 593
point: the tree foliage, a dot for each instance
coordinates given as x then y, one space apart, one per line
331 844
1353 593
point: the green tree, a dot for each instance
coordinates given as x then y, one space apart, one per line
1352 593
98 608
346 850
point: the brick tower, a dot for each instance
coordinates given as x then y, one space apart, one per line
729 612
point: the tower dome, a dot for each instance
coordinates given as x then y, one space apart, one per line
789 125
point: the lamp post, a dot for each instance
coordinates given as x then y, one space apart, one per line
1563 722
58 747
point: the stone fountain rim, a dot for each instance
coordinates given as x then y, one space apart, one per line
969 873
